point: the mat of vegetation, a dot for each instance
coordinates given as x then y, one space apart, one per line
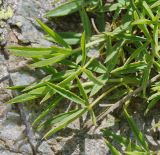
97 64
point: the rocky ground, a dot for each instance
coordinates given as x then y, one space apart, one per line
17 26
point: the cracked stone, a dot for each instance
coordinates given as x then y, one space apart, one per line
45 149
26 149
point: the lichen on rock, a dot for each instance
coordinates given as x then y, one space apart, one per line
5 14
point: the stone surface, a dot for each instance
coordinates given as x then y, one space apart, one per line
45 149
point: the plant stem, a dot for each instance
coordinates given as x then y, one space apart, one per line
104 95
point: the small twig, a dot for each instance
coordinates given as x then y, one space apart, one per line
94 26
102 116
69 107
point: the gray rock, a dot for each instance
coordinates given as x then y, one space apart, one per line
26 149
11 131
45 149
23 19
22 78
28 33
95 146
5 152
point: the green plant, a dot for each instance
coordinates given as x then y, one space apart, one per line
103 66
137 146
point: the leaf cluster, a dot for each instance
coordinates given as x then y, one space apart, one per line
101 64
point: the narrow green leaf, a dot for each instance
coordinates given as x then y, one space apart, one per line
104 78
65 9
146 72
83 46
65 121
86 24
50 107
66 93
93 117
49 61
137 153
47 96
154 95
152 104
97 66
53 78
130 68
113 55
84 95
122 28
145 78
148 10
53 34
129 146
30 52
71 38
156 35
17 87
143 27
118 94
100 17
82 90
156 4
119 139
23 98
137 133
37 52
71 77
131 37
136 53
141 21
56 119
35 93
92 77
113 150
